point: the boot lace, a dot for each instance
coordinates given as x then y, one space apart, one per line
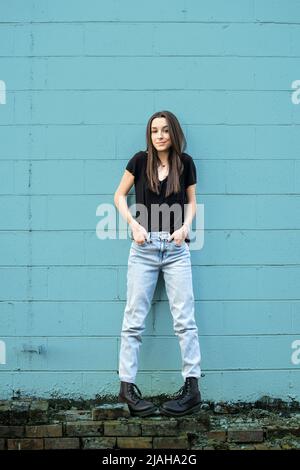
132 392
183 391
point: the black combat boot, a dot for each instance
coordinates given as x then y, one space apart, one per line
185 403
136 404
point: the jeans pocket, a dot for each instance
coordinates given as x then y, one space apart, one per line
140 244
178 246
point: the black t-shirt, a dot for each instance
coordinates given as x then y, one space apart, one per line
163 218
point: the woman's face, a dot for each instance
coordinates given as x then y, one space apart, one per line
160 134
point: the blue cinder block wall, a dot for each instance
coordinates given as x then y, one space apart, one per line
79 80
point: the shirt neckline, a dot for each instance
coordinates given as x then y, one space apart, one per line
163 179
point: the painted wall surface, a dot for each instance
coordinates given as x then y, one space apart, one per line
78 82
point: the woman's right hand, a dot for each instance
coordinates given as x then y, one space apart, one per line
139 233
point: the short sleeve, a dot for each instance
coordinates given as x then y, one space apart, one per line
190 172
133 164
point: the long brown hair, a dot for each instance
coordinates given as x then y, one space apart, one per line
178 144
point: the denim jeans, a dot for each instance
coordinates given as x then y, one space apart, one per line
144 264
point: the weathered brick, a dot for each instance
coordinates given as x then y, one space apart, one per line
37 417
264 446
217 435
50 430
247 435
11 431
42 405
199 424
38 411
179 442
20 405
4 413
134 442
25 444
98 442
81 428
110 411
62 443
121 428
73 415
277 431
159 427
217 445
5 403
19 412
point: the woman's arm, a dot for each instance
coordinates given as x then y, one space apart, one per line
120 200
191 208
120 197
180 234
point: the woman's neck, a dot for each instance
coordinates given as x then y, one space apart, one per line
163 158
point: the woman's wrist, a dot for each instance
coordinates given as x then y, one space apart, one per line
133 223
186 228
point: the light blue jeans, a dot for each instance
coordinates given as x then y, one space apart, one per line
144 264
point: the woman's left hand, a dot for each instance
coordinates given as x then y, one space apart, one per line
179 235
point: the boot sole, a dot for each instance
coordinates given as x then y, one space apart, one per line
181 413
143 413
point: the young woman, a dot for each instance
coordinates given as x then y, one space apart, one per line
165 182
